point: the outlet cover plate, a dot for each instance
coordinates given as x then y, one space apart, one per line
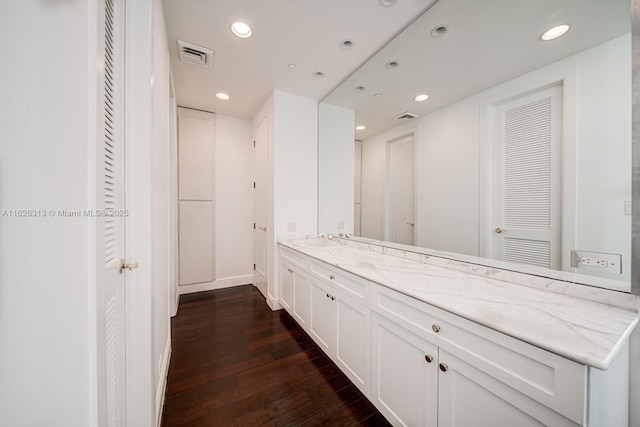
597 262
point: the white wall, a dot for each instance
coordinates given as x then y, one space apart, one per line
448 147
233 215
234 200
45 276
162 224
295 172
292 165
335 175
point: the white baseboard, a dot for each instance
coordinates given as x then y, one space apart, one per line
162 382
274 304
227 282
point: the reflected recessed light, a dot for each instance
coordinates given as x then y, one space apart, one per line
292 66
360 127
378 95
387 3
346 44
222 95
392 65
421 98
241 30
318 74
555 32
359 88
439 31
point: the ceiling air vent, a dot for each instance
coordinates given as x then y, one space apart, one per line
194 54
407 115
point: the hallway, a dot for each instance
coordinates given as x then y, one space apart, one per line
236 362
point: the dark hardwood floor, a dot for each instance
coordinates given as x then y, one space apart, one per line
237 363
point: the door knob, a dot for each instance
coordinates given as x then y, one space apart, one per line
411 223
500 230
262 228
127 266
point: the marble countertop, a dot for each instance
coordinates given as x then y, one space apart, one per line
582 330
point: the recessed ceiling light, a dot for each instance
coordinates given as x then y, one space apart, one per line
292 66
392 65
439 31
378 95
359 88
387 3
421 98
222 95
241 30
555 32
318 74
346 44
360 127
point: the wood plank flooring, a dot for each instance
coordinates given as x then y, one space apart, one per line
237 363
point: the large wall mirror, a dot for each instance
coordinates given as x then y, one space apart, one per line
475 136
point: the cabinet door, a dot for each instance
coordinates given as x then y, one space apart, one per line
321 324
468 396
353 340
301 299
405 382
286 287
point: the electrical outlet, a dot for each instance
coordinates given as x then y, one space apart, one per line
292 227
597 261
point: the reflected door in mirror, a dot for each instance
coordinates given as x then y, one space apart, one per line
401 190
527 180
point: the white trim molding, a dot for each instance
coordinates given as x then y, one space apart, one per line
227 282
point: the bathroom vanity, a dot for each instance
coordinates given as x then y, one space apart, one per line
435 342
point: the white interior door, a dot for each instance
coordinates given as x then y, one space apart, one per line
527 179
260 209
110 229
401 191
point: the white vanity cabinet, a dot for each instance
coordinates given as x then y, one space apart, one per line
341 321
295 288
424 366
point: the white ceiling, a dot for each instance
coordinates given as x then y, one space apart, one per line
306 33
488 42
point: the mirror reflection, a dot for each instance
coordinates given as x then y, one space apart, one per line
477 136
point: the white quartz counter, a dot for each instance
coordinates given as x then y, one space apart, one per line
582 330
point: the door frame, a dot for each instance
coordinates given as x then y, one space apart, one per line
568 78
386 217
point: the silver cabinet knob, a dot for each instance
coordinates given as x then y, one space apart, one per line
500 230
328 295
127 266
333 298
443 367
331 276
428 358
435 327
290 270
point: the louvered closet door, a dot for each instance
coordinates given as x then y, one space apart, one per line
527 179
110 228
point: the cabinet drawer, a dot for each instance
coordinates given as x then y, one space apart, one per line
552 380
296 259
351 285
